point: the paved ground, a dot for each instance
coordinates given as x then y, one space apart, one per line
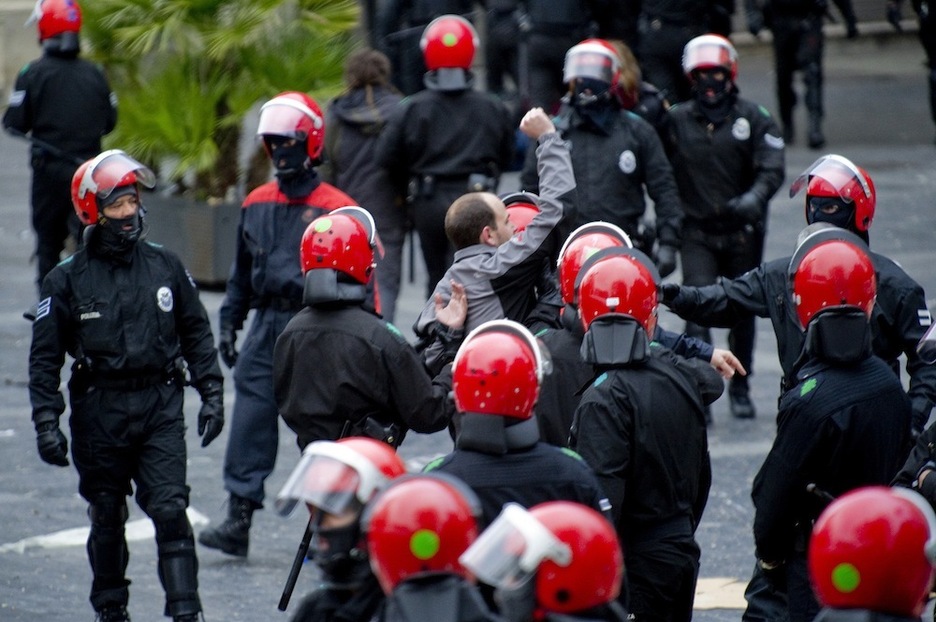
877 115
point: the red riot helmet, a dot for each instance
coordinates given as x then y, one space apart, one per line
96 179
579 246
449 42
294 115
336 475
835 177
498 370
343 240
569 550
56 17
522 207
419 525
827 273
874 548
621 281
710 52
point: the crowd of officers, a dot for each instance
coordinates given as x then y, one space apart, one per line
580 470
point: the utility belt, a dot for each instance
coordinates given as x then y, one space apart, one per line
675 526
390 433
424 186
84 377
279 303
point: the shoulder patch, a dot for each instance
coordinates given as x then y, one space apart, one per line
43 308
808 385
926 318
774 142
395 332
17 98
153 244
571 453
764 112
66 260
25 67
541 332
600 379
433 464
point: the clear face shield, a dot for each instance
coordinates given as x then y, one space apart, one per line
112 169
509 552
331 478
283 116
839 173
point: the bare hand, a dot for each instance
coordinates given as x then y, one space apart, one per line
453 313
727 364
535 123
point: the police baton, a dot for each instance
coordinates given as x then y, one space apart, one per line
297 564
58 153
812 489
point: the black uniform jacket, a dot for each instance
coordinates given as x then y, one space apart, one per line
342 364
642 428
898 321
127 318
839 428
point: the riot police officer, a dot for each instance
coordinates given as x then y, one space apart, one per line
128 312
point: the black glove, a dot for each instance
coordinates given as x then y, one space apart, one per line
53 446
666 260
211 415
747 207
668 293
894 16
226 338
776 575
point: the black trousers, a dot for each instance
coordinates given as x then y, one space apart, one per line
429 220
705 257
53 215
661 578
798 44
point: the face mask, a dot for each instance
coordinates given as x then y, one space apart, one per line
288 160
832 210
117 236
711 88
336 550
590 92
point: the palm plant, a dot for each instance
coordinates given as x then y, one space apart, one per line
186 73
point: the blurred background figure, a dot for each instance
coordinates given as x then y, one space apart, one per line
927 35
355 120
63 105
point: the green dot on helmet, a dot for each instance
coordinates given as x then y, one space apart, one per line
449 39
424 544
846 578
322 225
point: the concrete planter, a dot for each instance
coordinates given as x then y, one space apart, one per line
204 236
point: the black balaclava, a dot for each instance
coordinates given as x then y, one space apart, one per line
294 173
714 96
843 217
116 237
593 102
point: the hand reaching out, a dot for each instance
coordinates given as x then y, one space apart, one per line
727 364
454 312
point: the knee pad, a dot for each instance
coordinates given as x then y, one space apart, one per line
170 522
107 546
108 512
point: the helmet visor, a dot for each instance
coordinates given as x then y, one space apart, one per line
706 56
283 116
838 172
508 553
330 477
590 62
112 169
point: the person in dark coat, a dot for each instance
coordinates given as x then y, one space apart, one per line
845 423
64 105
128 313
355 121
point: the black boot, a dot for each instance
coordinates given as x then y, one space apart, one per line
233 534
740 400
113 613
816 137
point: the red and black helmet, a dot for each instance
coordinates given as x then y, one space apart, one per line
579 246
836 177
333 475
294 115
419 525
874 548
710 52
830 271
55 17
449 42
97 178
498 370
620 281
343 240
